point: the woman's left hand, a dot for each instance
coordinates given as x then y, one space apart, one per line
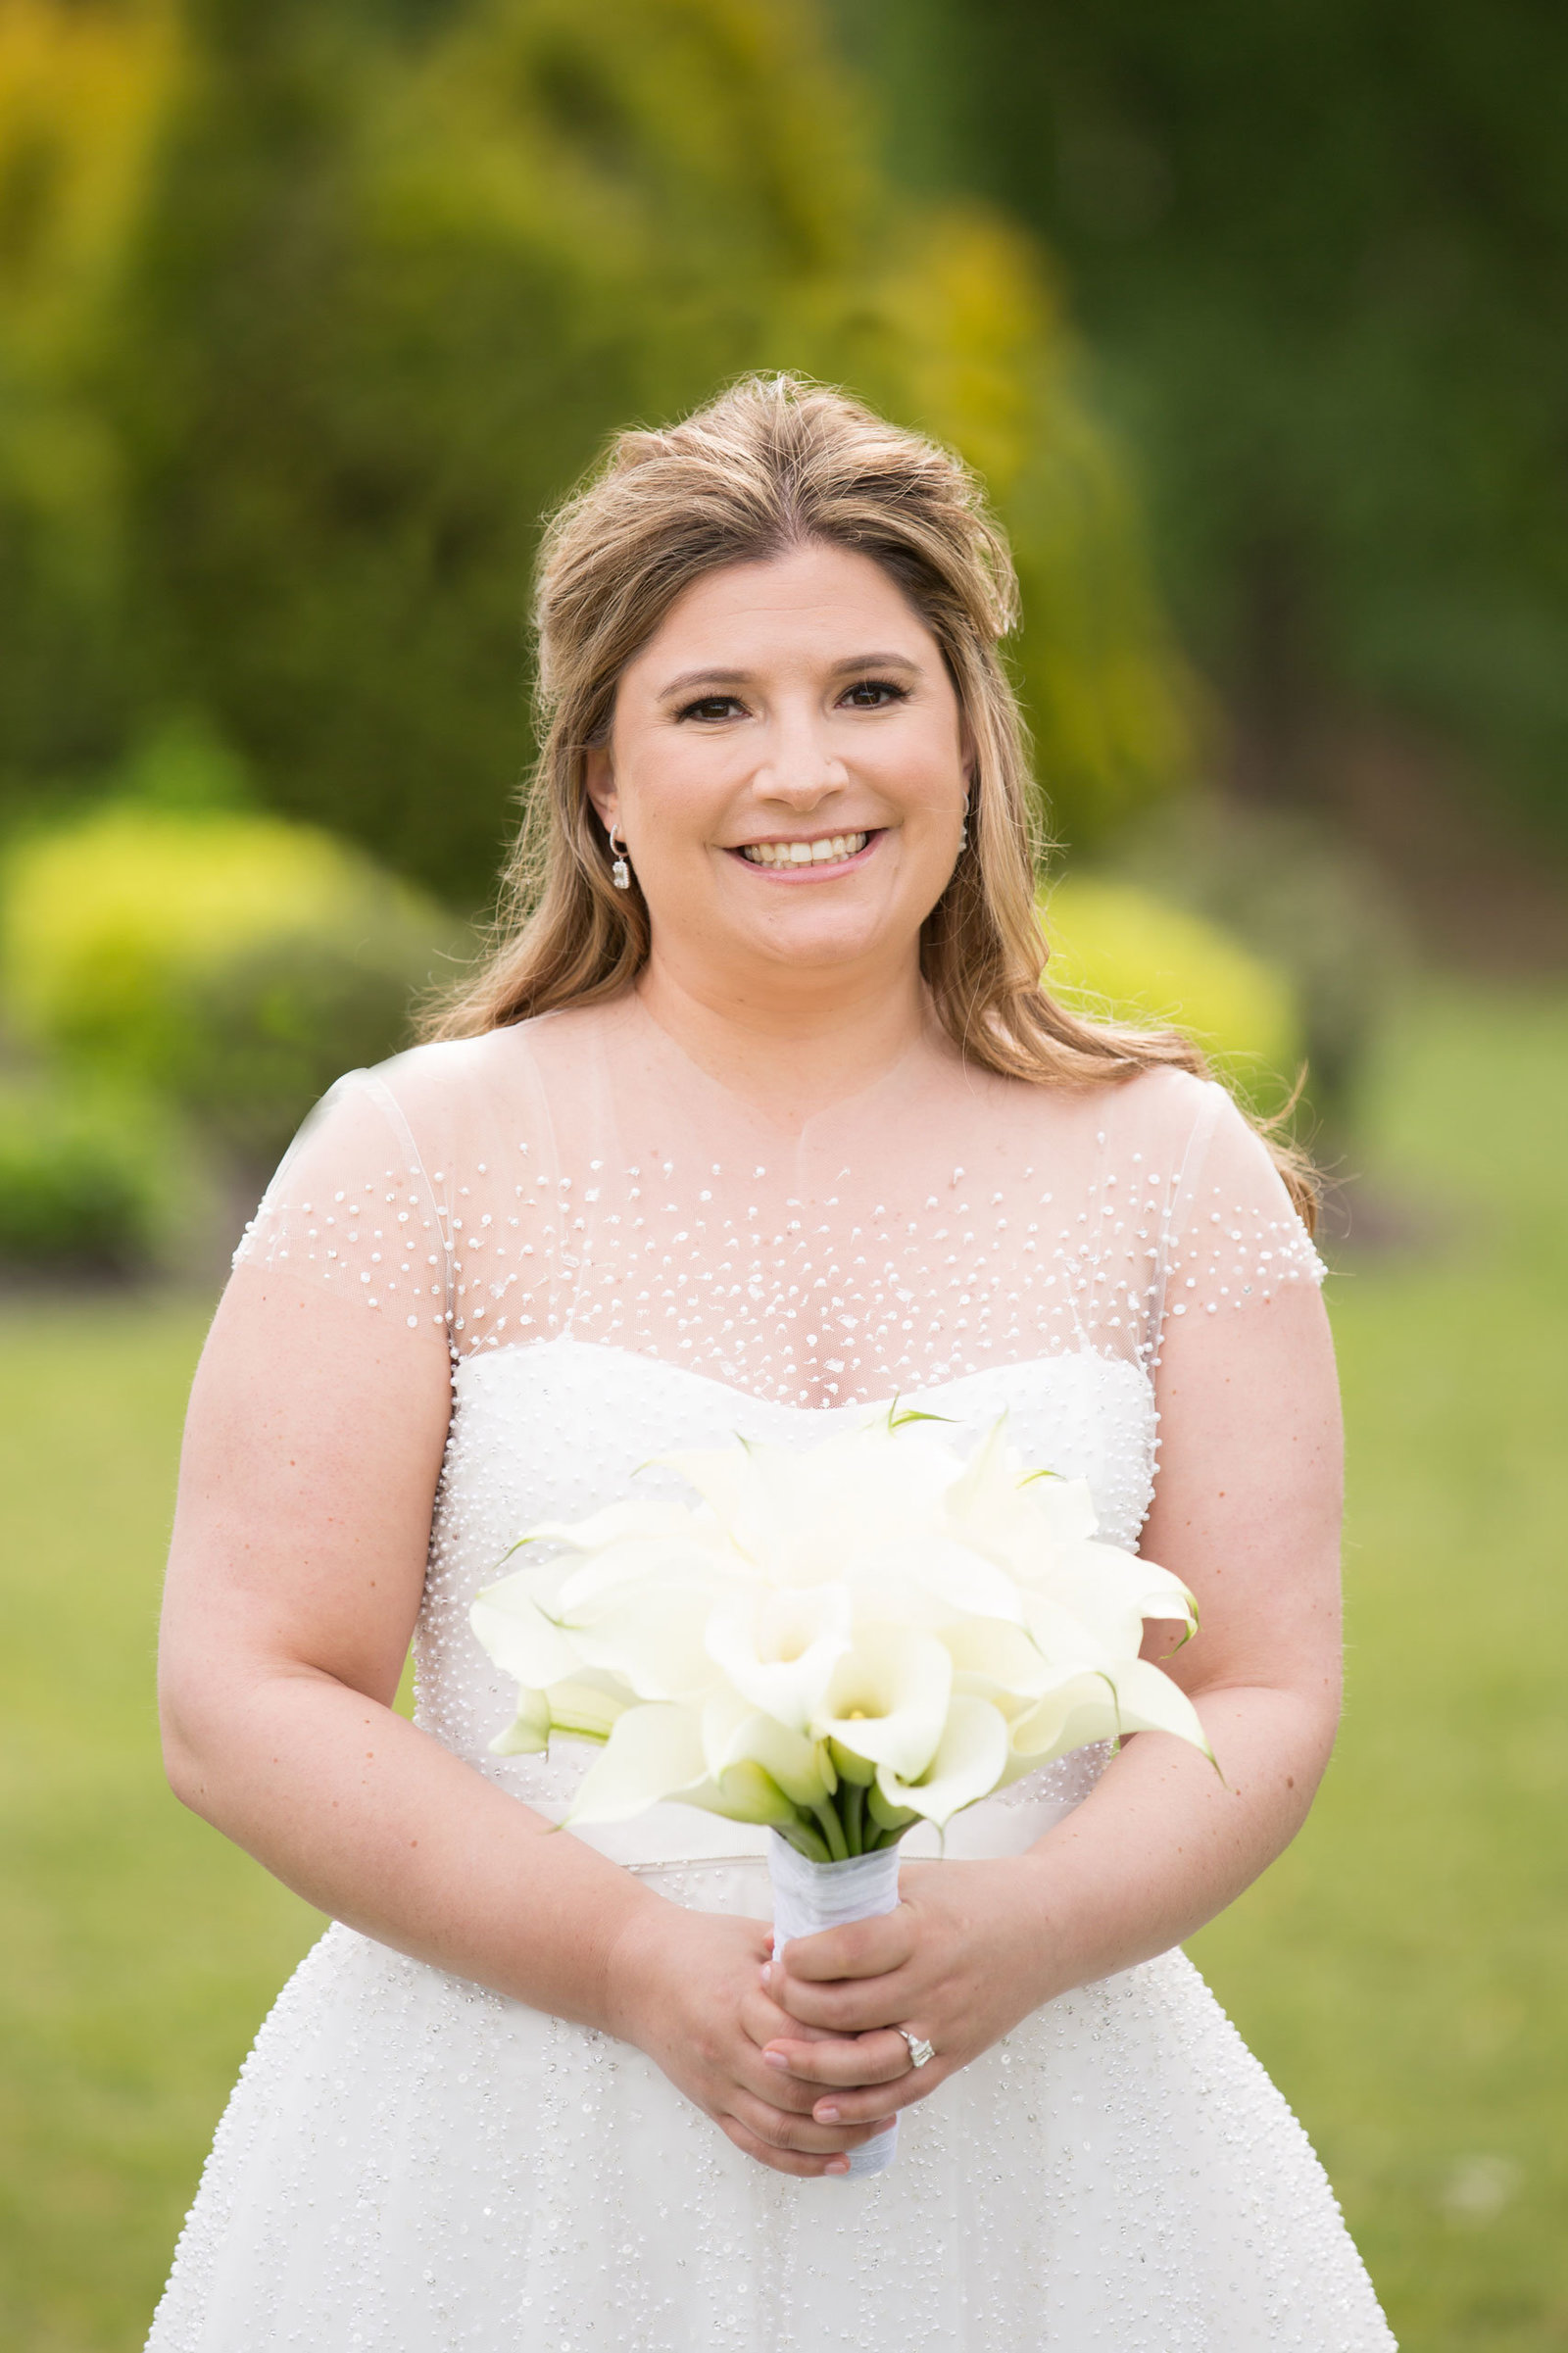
965 1955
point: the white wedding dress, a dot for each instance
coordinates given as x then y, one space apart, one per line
621 1259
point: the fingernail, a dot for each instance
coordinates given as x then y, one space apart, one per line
837 2165
774 2059
826 2114
767 1972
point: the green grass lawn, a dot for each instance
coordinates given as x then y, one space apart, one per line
1400 1972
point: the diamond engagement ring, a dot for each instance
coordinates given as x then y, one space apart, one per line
919 2049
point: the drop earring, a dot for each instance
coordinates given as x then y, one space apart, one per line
963 831
619 871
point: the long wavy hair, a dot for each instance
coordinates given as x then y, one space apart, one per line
773 463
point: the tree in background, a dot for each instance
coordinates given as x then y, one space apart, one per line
1321 250
82 91
375 283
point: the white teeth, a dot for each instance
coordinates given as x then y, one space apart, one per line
834 847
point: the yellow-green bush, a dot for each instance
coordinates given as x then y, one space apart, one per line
1118 951
233 963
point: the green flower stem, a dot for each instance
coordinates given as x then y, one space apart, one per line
854 1817
805 1840
832 1832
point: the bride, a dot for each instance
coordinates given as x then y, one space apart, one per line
758 1116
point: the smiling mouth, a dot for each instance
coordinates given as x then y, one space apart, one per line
833 849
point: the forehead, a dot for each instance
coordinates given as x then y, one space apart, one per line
816 602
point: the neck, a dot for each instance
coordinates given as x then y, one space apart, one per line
795 1052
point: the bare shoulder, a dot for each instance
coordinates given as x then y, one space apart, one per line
546 1050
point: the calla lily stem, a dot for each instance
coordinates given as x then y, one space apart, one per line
833 1830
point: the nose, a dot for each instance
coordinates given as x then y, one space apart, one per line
799 767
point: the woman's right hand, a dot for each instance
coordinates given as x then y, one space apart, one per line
686 1988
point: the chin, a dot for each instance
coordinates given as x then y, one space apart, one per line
820 947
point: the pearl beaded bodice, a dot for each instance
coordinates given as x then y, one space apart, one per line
620 1259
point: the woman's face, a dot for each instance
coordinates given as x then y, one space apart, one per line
786 768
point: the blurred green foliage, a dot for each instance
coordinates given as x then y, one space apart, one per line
233 964
1299 896
317 308
93 1179
1320 250
1118 951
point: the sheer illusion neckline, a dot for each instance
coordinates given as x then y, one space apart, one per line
582 1176
928 1055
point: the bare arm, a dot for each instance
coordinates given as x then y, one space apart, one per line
1248 1515
307 1481
312 1453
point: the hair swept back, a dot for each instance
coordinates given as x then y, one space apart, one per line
774 462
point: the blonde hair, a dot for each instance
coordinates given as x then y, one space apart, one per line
773 463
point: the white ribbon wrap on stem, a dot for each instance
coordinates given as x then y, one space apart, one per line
809 1897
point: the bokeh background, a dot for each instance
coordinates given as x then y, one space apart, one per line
1256 322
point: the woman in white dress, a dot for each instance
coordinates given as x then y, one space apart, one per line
758 1116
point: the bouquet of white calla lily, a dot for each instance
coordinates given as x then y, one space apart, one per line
836 1642
849 1595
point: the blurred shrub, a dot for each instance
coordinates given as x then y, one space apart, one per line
236 964
1118 951
1299 896
92 1178
366 288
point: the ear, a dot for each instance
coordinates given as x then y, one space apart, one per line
600 783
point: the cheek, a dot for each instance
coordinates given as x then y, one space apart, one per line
922 771
932 798
672 799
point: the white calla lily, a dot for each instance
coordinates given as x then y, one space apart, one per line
888 1697
1080 1708
990 1657
519 1636
529 1733
744 1793
642 1520
656 1637
588 1706
1149 1700
734 1733
778 1647
653 1752
1118 1593
969 1760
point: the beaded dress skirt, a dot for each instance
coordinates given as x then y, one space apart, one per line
412 2164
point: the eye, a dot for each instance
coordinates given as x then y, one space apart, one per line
874 694
710 706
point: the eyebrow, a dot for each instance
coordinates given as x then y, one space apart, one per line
854 665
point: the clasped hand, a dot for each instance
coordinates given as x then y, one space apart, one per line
801 2060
